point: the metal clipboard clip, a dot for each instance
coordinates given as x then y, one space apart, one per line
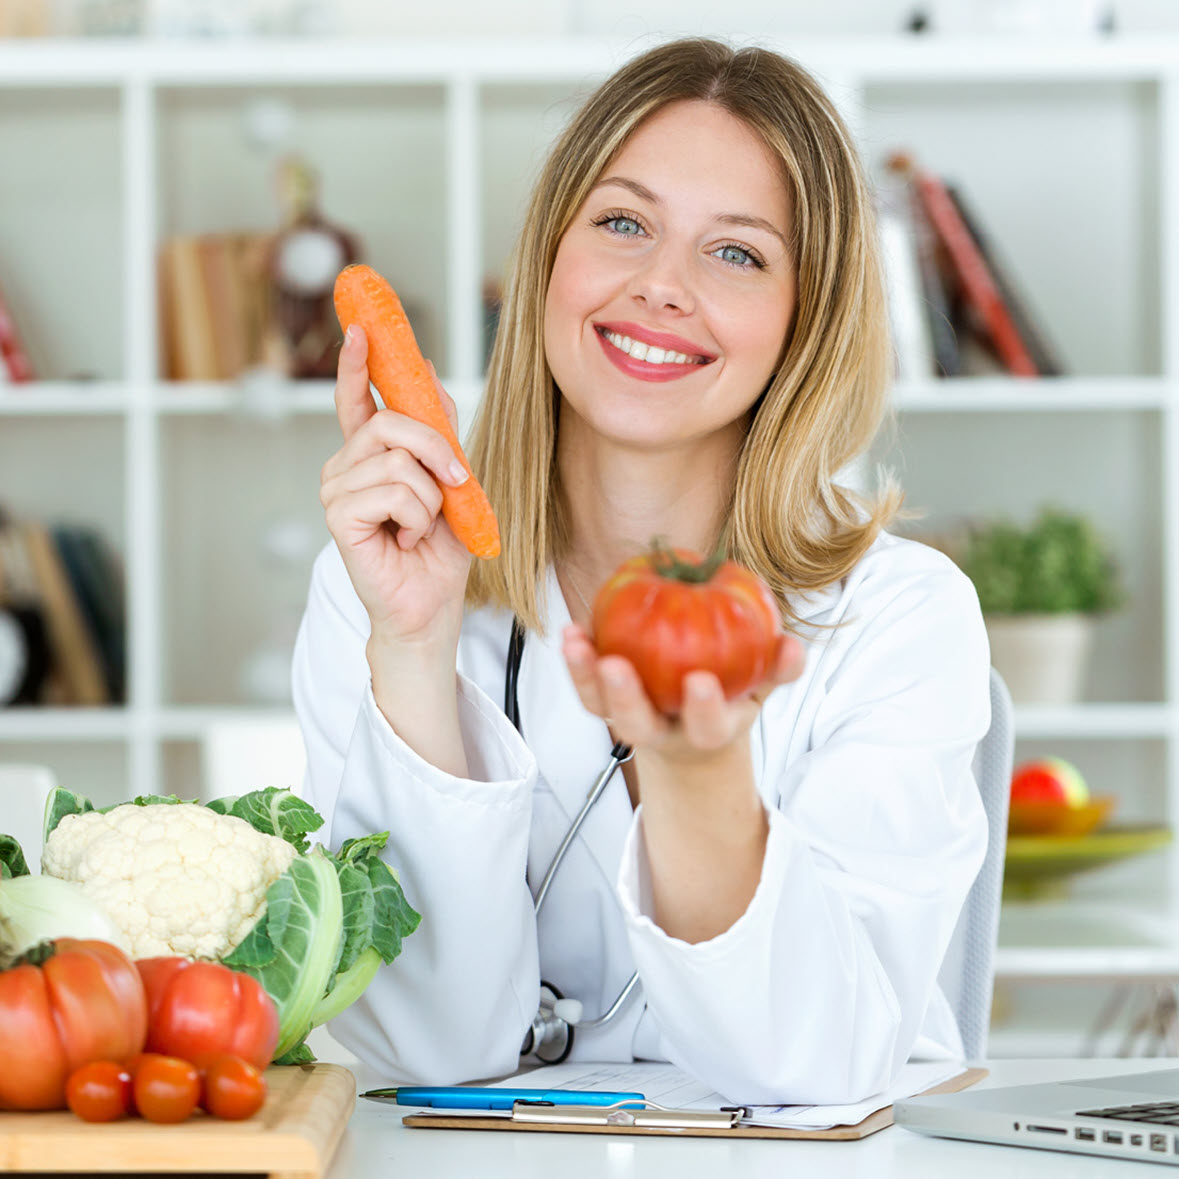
652 1116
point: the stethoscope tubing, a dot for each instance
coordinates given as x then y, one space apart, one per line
619 753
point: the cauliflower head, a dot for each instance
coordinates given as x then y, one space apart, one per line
180 879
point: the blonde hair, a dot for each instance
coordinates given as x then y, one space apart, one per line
789 521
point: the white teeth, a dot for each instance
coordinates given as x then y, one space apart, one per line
647 352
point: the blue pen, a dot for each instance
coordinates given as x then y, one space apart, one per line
472 1097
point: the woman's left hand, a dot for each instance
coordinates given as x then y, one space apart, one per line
609 687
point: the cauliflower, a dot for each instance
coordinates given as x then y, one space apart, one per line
176 879
236 880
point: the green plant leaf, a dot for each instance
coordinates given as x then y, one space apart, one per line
277 811
61 803
393 916
12 859
1057 564
300 1054
306 904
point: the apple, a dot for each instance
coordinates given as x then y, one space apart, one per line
1050 780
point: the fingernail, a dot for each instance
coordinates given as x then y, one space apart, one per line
457 472
350 335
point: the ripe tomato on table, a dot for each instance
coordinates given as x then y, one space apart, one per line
64 1004
231 1088
198 1009
100 1091
671 611
166 1088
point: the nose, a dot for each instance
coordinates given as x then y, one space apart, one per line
662 281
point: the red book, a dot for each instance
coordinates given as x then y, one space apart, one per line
12 352
978 285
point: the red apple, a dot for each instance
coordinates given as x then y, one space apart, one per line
1051 780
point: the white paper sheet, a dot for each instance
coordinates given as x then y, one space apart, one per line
672 1087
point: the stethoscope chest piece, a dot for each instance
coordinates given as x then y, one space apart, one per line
550 1039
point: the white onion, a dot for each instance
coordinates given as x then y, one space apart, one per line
39 908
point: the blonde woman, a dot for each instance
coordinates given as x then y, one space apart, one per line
693 343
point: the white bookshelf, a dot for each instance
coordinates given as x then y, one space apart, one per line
426 149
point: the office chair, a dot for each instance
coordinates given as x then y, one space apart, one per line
967 973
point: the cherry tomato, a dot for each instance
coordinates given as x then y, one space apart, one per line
64 1005
232 1088
199 1009
99 1091
166 1089
670 611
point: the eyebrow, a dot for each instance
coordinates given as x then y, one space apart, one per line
747 219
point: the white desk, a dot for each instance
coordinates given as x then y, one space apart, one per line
377 1144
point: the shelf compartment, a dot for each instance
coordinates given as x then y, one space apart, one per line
1068 199
955 473
61 255
231 585
212 177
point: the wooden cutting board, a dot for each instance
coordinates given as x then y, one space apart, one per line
295 1133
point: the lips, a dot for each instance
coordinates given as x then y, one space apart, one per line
645 370
652 339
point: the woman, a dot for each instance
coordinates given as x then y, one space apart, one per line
693 343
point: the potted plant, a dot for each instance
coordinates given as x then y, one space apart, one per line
1041 588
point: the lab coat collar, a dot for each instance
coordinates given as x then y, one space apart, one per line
571 744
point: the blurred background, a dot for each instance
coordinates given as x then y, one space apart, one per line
182 179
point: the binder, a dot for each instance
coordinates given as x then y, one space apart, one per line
688 1123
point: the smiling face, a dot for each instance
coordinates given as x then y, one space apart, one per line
673 289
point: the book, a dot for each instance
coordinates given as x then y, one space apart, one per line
215 304
911 338
972 276
97 581
15 366
936 304
73 650
188 333
226 301
1043 354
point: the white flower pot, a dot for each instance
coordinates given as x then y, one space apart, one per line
1041 657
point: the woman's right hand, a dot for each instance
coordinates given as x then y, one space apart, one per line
383 505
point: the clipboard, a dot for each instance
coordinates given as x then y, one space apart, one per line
723 1123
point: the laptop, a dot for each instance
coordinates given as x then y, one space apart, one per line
1127 1117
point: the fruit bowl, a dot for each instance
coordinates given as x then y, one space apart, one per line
1037 867
1053 818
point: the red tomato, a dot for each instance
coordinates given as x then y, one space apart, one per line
203 1008
65 1005
99 1091
232 1088
671 612
166 1088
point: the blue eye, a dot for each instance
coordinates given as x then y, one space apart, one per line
627 226
737 256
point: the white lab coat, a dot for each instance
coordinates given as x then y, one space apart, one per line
818 993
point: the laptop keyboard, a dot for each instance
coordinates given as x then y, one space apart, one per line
1158 1113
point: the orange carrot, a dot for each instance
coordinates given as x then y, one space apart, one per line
403 379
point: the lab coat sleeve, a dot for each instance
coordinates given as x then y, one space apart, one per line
456 1003
817 993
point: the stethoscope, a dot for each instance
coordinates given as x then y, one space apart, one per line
550 1038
